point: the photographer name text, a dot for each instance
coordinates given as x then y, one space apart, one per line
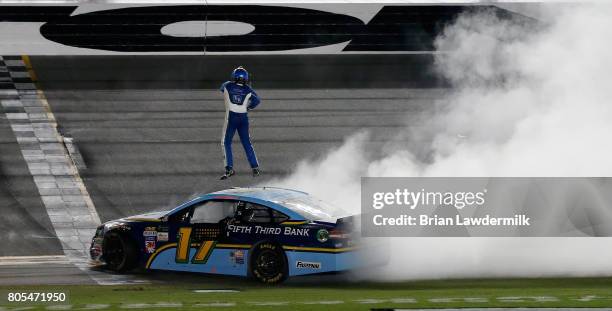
435 220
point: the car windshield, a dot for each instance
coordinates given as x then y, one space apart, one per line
313 208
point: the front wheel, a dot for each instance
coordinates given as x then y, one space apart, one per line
119 252
268 263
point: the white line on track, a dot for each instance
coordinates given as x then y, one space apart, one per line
32 260
214 304
324 302
216 291
268 303
70 208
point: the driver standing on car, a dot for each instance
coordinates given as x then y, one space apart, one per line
239 99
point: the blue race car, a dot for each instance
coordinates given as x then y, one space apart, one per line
266 233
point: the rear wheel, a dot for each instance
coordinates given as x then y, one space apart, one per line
268 263
119 252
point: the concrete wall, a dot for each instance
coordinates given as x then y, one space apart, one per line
271 71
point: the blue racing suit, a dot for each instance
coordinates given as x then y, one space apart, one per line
239 99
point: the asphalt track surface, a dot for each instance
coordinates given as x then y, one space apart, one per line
58 270
41 270
25 228
151 149
149 131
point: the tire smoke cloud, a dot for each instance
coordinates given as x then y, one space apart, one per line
525 99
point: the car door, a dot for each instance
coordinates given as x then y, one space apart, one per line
253 223
197 234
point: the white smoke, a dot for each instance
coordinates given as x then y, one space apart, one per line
526 100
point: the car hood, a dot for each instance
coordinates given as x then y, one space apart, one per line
153 216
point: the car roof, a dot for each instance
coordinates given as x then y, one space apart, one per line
261 195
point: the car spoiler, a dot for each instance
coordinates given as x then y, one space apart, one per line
349 223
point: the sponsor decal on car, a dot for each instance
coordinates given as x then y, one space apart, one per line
322 235
150 244
237 257
150 232
294 231
162 236
307 265
288 231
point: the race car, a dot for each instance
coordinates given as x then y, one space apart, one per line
265 233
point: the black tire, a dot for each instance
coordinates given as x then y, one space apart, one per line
119 252
268 263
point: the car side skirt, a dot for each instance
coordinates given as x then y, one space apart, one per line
232 259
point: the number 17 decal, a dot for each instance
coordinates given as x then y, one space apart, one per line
183 248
